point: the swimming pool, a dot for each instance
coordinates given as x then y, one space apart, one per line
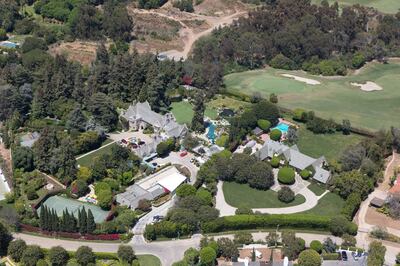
8 44
282 127
211 132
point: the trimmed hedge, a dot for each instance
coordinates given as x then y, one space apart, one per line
275 134
330 256
275 161
305 174
286 176
242 222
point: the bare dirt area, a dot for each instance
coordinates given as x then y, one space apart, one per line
374 217
80 51
219 7
173 33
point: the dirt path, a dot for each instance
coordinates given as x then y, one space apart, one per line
187 35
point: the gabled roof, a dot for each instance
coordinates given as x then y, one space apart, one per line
271 148
143 111
321 175
173 129
298 159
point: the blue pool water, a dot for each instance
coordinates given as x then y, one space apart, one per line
8 44
282 127
211 132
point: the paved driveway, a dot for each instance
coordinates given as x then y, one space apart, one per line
175 158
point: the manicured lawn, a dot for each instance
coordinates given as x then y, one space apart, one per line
329 145
316 188
88 159
386 6
241 195
334 98
329 205
183 112
149 260
222 101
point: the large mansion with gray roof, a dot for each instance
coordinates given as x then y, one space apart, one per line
140 116
295 159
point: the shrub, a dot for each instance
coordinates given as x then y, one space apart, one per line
309 258
126 253
300 115
207 256
340 225
84 255
185 190
275 161
79 187
58 256
31 255
316 245
3 35
144 205
282 62
275 134
264 124
305 174
351 205
330 256
16 248
286 195
222 141
286 176
243 210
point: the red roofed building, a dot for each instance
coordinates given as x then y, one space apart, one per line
396 187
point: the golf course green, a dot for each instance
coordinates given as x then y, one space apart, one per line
334 97
385 6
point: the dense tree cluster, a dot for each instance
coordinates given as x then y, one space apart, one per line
239 167
191 210
297 34
248 120
49 221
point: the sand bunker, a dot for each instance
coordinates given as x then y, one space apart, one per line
368 86
305 80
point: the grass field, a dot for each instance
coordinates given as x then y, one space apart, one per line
386 6
329 145
335 97
316 188
222 101
329 205
183 112
87 160
241 195
149 260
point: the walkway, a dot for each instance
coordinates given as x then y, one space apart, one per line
311 201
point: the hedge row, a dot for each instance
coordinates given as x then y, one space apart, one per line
330 256
243 222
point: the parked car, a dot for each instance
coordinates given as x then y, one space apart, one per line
183 154
158 218
344 256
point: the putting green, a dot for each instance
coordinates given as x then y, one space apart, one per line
335 97
385 6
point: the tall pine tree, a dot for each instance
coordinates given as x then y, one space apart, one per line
91 225
198 117
83 221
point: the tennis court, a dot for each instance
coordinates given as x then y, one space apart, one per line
59 204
